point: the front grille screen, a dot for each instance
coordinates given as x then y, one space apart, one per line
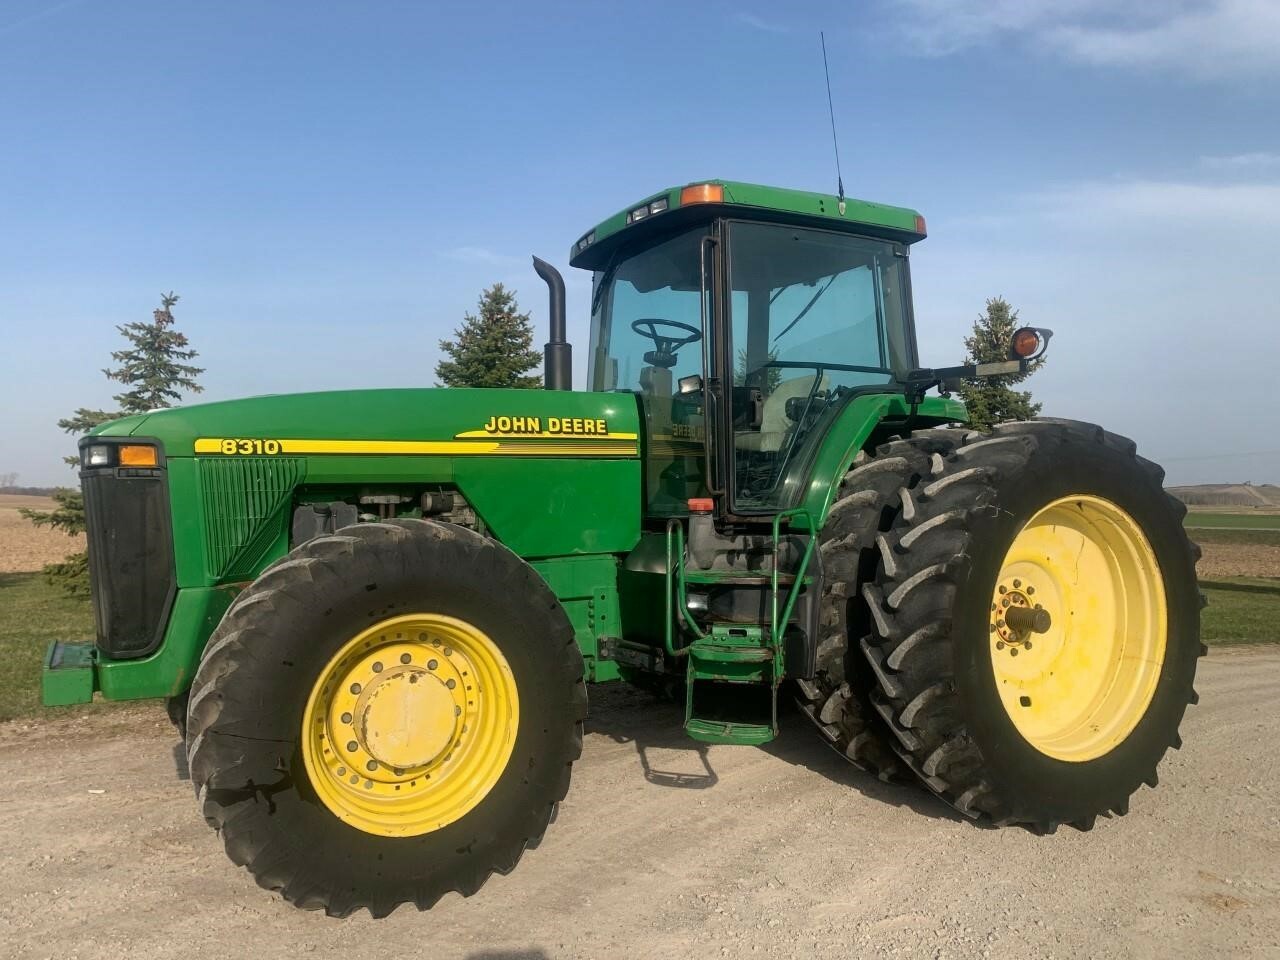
131 565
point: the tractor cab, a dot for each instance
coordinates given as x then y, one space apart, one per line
745 318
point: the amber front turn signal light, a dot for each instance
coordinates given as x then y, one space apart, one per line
702 193
1025 343
701 504
138 456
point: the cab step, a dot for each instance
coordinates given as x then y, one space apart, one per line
720 731
723 668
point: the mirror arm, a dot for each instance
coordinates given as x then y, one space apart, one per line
919 381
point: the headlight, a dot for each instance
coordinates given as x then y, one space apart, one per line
98 456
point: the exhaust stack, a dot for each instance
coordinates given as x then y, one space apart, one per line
558 353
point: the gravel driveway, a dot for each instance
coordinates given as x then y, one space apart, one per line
667 848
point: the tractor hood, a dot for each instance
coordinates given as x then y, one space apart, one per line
416 422
549 472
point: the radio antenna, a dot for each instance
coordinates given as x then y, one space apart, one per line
831 111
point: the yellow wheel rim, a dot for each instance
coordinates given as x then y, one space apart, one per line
1076 683
410 725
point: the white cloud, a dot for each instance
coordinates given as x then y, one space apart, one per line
759 23
1257 160
1253 205
1206 38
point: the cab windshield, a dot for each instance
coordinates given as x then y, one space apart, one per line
646 334
813 317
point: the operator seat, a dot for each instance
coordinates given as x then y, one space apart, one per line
774 423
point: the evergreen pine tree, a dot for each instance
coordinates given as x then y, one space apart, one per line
154 368
993 399
493 348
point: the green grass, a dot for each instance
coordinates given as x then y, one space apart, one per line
1234 521
1241 610
32 614
1252 536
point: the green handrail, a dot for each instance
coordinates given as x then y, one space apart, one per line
776 626
675 567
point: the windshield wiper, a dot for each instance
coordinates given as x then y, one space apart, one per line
807 307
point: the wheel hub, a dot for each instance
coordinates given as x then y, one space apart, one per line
410 724
407 718
1016 616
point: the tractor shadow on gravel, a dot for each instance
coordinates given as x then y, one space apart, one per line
626 714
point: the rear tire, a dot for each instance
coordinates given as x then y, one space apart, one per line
262 784
934 639
837 698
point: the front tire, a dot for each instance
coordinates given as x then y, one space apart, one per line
387 715
1052 720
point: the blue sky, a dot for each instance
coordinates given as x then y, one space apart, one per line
329 186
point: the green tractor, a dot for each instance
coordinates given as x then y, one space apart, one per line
374 614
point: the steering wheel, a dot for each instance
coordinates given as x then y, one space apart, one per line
664 346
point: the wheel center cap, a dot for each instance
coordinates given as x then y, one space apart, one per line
408 719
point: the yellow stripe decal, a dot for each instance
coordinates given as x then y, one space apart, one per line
575 447
545 435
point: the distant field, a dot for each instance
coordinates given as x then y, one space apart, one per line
1233 521
24 547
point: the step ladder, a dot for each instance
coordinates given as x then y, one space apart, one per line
728 656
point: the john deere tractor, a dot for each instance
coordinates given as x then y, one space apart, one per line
374 614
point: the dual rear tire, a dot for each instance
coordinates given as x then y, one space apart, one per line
1056 715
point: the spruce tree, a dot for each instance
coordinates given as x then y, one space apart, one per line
493 348
154 367
993 399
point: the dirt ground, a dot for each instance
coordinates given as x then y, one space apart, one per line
1239 560
668 849
25 547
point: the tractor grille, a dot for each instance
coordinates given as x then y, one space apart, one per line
131 565
244 500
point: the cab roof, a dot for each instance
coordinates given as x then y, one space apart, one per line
708 199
